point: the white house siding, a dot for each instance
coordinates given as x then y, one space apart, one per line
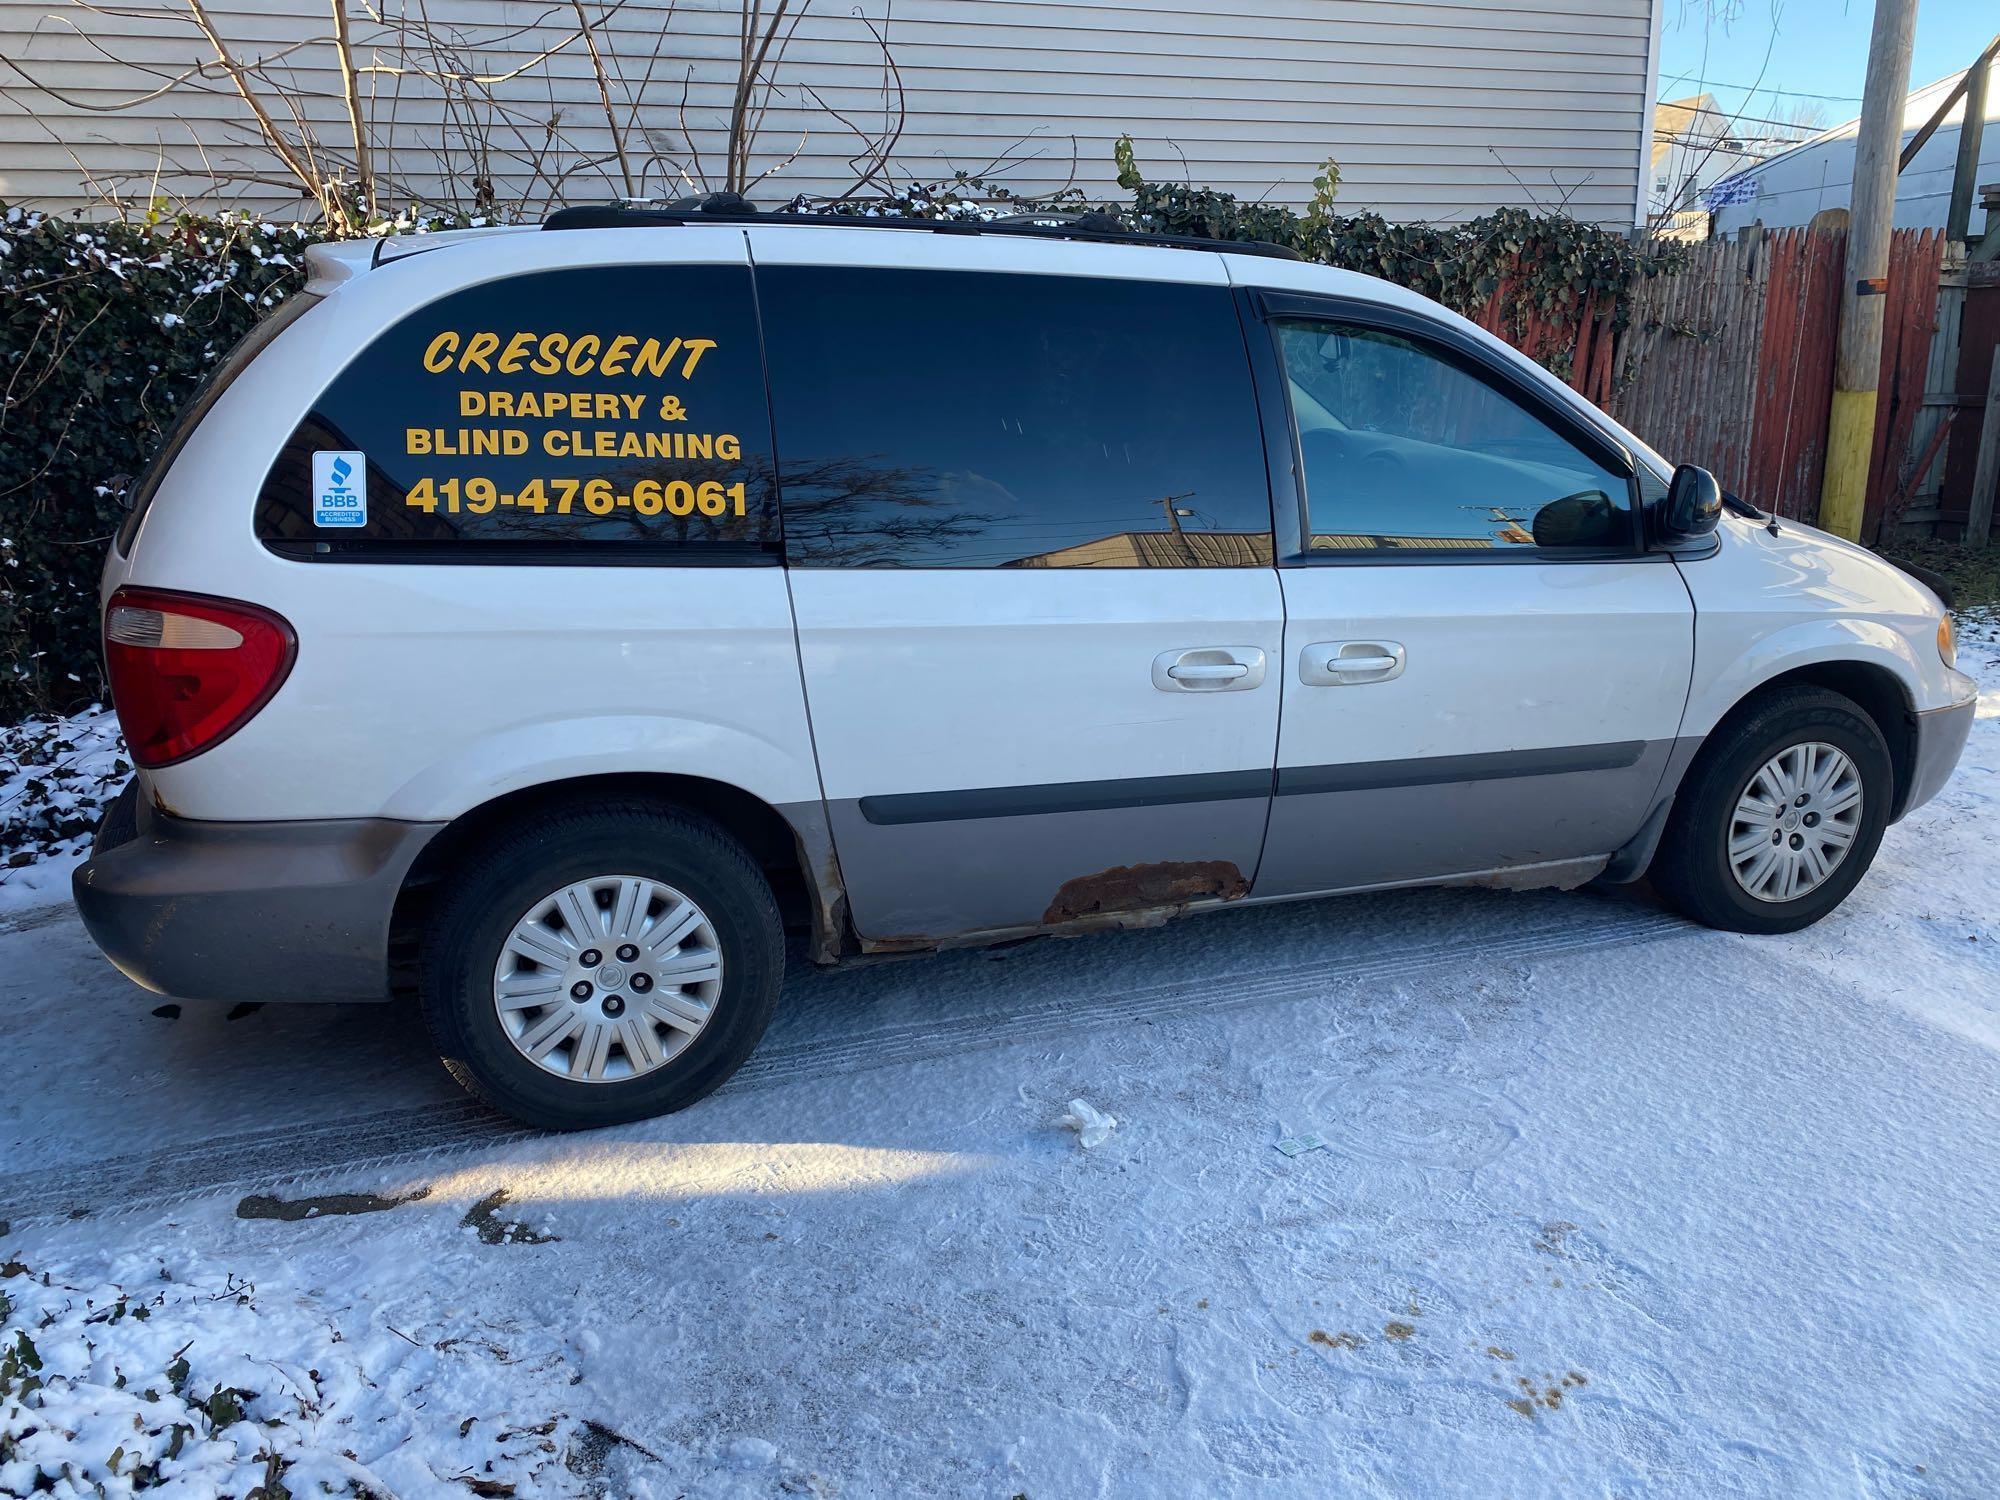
1788 189
1433 111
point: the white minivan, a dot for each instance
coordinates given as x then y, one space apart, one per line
547 619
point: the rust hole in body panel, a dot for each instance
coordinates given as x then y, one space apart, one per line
1137 887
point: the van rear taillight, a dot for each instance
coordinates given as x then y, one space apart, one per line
188 671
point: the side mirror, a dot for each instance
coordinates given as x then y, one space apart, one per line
1692 507
1585 519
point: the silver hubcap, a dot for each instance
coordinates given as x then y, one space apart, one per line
1795 822
608 979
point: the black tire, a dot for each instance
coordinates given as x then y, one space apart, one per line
500 881
1692 869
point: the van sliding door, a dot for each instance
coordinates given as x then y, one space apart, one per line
1028 530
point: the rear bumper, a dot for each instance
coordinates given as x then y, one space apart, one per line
1941 735
247 911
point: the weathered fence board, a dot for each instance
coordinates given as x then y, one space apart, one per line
1729 363
1909 320
1979 335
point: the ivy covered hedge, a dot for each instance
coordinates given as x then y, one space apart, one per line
106 328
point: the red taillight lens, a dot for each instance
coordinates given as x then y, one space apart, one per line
188 671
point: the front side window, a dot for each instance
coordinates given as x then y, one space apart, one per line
1406 450
615 413
945 419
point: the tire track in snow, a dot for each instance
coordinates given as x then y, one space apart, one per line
296 1152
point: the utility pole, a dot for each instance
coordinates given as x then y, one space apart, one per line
1850 437
1171 504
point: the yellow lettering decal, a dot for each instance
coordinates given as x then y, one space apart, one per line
479 351
473 403
653 360
615 356
728 449
416 440
548 358
438 354
696 348
583 354
517 350
671 409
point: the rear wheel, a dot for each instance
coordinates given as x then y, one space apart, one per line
1780 817
601 966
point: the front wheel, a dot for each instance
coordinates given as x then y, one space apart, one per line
604 965
1780 817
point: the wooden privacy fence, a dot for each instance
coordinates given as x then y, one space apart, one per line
1729 364
1588 337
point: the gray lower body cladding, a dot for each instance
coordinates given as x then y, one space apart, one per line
928 867
248 911
1941 736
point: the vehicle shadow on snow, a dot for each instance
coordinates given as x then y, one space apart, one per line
311 1085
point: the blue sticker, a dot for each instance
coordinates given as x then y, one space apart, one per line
340 489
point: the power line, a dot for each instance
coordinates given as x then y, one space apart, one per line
1765 88
1730 119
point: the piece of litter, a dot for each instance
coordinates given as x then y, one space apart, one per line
1298 1145
751 1453
1091 1124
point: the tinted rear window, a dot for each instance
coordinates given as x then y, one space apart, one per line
610 414
944 419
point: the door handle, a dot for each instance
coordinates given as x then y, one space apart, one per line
1209 669
1351 663
1209 672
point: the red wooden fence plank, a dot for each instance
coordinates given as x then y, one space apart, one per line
1908 323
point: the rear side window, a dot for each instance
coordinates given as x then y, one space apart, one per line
605 414
1405 449
944 419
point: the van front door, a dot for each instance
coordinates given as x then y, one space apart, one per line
1484 671
1028 527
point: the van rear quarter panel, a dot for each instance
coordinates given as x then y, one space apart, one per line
423 690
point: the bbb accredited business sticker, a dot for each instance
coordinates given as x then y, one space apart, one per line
340 488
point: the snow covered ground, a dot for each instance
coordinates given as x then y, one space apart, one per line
1606 1204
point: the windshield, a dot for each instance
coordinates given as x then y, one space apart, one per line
197 405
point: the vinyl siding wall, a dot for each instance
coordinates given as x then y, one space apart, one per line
1433 111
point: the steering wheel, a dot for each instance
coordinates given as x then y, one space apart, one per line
1380 474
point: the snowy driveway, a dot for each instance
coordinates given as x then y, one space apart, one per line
1607 1204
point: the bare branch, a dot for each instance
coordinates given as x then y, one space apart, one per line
604 94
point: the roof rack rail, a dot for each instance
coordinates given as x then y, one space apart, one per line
727 208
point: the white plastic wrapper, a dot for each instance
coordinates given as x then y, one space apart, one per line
1092 1125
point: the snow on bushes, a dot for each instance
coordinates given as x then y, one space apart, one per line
56 774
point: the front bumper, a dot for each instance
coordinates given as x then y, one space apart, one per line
1941 736
247 911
